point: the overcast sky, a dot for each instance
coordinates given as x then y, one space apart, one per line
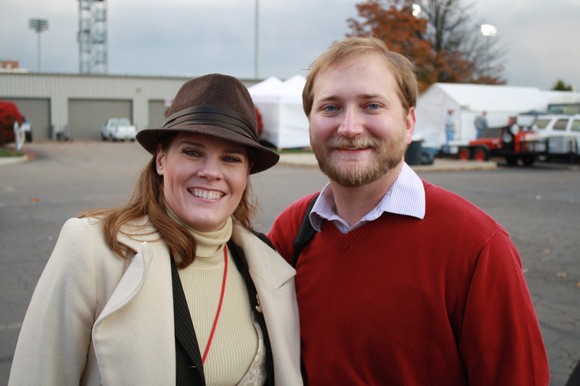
194 37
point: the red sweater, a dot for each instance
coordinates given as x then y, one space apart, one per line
403 301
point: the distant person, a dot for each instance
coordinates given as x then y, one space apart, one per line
403 282
449 130
173 288
19 135
480 123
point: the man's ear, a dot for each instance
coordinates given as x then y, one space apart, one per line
410 124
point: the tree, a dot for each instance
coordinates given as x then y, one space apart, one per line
437 35
561 86
403 35
9 113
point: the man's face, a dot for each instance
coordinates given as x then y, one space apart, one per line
359 129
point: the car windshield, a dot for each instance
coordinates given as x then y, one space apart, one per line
541 123
120 122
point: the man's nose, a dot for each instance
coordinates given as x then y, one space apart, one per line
351 125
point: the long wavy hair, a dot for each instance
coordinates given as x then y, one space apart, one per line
148 200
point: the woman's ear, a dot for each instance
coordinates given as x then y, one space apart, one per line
160 161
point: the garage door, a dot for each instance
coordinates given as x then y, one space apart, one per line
156 114
37 112
85 116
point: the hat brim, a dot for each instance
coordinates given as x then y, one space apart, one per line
264 157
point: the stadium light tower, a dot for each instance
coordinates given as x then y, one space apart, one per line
92 36
38 25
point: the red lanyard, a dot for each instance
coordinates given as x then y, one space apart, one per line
217 315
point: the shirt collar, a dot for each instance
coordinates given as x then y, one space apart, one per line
406 197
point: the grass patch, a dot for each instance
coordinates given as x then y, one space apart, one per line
5 152
301 150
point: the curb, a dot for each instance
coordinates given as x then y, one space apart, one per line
13 160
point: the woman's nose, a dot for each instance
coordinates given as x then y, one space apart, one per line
210 169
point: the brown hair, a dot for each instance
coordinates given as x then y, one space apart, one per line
352 47
147 199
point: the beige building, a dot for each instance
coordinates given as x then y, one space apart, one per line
75 106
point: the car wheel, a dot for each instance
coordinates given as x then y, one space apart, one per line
481 154
512 160
528 160
464 154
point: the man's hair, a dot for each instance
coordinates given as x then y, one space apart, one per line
352 47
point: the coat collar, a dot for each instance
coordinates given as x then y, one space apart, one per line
264 263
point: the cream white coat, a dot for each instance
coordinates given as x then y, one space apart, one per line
98 319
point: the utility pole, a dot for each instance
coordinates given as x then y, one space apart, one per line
256 38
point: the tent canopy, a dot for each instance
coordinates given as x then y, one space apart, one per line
280 104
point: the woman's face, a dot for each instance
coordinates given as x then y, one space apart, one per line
204 179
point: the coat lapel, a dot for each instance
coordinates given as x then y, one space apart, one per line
136 323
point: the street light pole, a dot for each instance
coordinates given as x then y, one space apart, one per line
256 38
38 25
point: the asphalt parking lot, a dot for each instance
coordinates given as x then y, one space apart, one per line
539 206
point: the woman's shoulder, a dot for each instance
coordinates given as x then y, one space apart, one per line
80 227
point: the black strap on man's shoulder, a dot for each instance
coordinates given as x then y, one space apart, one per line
305 233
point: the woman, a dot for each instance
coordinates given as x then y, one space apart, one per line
174 287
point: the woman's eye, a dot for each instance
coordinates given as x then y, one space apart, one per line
232 159
191 153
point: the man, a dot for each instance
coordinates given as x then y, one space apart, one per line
449 130
480 123
403 283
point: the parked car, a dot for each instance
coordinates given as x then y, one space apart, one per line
561 133
118 129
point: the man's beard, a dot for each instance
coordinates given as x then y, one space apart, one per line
386 155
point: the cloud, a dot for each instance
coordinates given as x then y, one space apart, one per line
193 37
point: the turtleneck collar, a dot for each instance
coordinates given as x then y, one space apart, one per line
209 244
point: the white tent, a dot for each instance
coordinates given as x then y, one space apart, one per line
467 101
280 104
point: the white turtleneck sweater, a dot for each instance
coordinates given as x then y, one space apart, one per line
235 340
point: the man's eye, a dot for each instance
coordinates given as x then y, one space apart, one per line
373 106
330 108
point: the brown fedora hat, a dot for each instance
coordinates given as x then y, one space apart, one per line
216 105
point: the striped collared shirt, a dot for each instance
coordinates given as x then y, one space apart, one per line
406 197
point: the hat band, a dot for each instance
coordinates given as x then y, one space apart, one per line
214 116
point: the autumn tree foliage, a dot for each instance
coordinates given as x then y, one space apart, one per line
437 35
8 114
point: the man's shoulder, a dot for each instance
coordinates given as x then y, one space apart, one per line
445 202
